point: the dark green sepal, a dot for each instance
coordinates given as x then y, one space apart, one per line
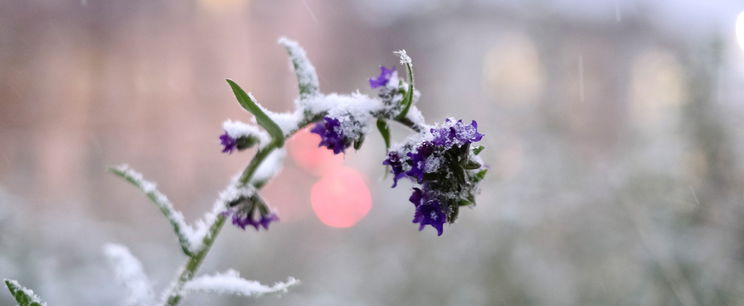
384 129
478 176
358 143
471 165
245 142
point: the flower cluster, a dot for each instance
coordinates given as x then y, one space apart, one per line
445 165
441 160
340 131
253 212
331 135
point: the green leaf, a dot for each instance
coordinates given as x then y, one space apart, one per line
384 129
471 165
478 149
408 96
22 295
246 101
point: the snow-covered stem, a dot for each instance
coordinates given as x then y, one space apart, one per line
175 293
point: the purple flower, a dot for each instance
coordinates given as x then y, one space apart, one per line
267 219
243 218
429 211
456 133
395 163
331 135
383 78
228 142
468 133
418 160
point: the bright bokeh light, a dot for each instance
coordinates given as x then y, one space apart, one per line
341 198
740 30
224 6
303 147
512 71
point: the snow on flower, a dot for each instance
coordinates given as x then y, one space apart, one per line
443 162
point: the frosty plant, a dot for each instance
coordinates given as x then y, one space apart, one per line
441 160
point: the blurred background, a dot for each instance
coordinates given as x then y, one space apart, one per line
613 132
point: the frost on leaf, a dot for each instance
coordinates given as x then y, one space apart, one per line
23 295
230 282
270 167
129 272
175 217
307 78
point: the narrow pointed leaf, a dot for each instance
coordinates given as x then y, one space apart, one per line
249 104
23 295
175 217
382 126
307 78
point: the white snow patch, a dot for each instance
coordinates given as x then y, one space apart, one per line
237 129
305 71
129 272
415 115
230 282
287 122
270 166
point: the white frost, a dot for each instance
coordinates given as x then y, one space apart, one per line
271 165
129 272
404 58
230 282
237 129
305 71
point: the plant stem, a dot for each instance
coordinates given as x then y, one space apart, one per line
192 265
189 270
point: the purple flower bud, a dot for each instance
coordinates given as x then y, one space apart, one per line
418 160
331 135
429 211
383 78
395 163
228 143
242 218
